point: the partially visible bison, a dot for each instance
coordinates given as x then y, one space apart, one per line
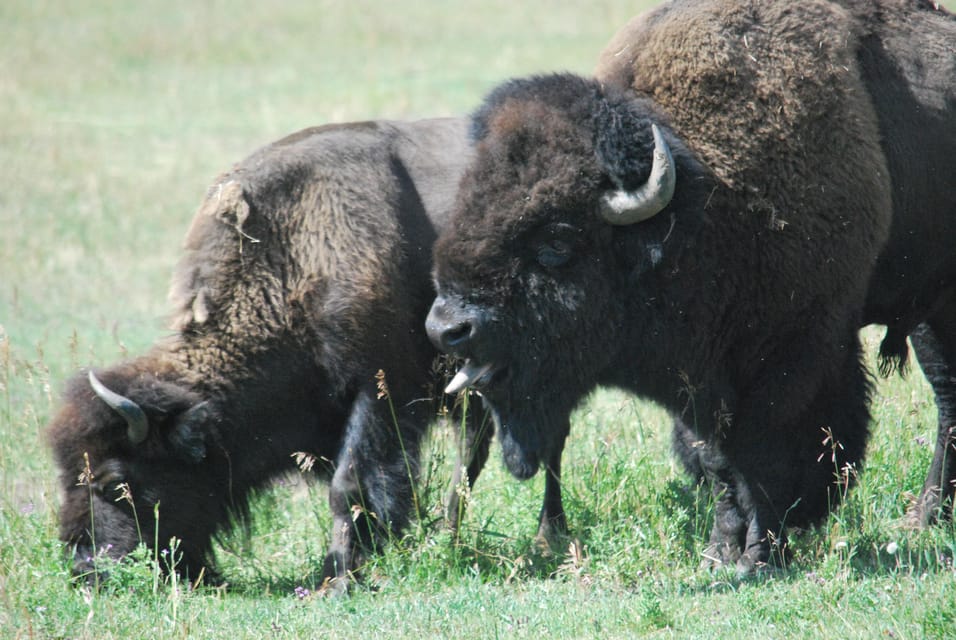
306 271
708 224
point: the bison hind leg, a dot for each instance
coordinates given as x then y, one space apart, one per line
935 346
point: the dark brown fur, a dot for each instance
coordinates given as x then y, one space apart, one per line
906 53
737 307
306 271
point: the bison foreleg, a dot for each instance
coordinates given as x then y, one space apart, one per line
748 533
730 522
795 471
552 523
935 346
372 491
705 464
475 429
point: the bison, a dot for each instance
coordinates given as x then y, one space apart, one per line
306 271
707 224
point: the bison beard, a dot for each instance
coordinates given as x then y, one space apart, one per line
734 301
306 271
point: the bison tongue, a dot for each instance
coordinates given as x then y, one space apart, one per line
466 376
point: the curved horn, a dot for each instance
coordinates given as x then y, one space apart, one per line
627 207
137 425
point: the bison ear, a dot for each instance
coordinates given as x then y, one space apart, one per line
186 437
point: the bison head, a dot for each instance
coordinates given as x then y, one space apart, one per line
563 220
122 441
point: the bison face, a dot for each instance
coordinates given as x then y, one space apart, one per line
531 277
126 458
533 344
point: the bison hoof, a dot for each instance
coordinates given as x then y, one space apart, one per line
927 510
336 587
551 528
337 576
454 510
748 566
762 560
718 555
552 534
546 544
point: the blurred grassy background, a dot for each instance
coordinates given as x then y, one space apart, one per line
114 117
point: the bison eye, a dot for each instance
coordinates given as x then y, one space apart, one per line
108 477
554 254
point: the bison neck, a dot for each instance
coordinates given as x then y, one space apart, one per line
270 404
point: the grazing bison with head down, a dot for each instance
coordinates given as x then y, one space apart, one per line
708 228
306 272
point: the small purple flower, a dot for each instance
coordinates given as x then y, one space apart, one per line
301 593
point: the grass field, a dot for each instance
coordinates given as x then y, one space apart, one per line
114 117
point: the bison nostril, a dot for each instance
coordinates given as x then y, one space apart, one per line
453 326
457 335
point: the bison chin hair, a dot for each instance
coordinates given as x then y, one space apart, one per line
529 434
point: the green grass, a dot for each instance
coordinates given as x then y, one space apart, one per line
114 117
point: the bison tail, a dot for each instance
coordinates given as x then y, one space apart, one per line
894 352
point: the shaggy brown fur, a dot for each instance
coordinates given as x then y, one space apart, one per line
737 306
306 271
905 51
